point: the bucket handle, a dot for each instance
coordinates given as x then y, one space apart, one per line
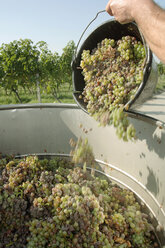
75 53
101 11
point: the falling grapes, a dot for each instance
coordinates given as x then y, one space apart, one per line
112 73
55 203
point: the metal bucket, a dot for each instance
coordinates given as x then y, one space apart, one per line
114 30
45 130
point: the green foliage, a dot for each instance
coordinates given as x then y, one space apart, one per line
160 87
66 60
161 68
19 64
23 63
59 69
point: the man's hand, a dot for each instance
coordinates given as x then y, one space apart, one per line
121 10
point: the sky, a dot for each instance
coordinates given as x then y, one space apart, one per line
54 21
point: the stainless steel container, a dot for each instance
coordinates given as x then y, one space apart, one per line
46 129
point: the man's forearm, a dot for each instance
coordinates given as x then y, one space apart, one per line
151 21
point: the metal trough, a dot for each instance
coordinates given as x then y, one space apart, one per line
45 129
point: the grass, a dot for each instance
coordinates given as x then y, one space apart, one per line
64 96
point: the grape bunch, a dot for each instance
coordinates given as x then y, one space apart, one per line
57 204
112 73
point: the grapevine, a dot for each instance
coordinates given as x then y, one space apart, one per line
112 73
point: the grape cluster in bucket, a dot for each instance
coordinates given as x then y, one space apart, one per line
113 72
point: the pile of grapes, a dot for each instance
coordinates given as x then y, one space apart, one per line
55 203
112 73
